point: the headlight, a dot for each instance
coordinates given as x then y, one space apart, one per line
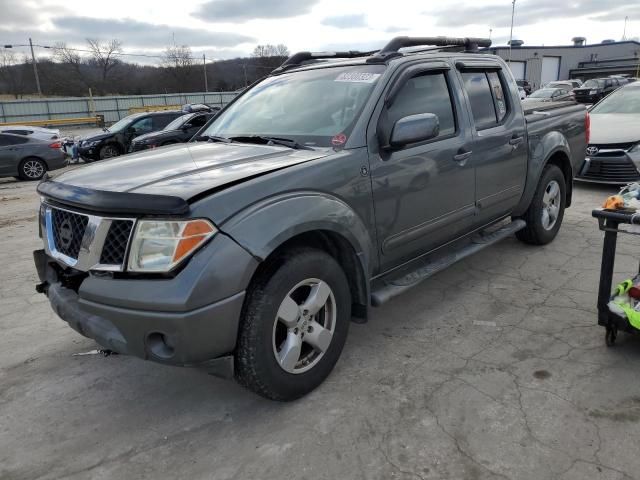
158 246
593 92
94 143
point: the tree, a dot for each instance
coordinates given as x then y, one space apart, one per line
178 62
8 72
72 59
104 55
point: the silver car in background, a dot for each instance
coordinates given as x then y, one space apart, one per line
28 158
613 153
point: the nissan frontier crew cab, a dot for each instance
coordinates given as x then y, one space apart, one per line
334 184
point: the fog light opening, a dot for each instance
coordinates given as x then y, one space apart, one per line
160 345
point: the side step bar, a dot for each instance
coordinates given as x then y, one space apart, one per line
397 285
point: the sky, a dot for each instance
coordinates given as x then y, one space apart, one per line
231 28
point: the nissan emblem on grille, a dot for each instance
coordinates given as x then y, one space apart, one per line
66 234
591 151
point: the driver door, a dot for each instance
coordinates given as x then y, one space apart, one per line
424 193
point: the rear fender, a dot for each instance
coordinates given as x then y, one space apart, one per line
540 151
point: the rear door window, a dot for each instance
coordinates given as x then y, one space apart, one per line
161 121
198 121
482 105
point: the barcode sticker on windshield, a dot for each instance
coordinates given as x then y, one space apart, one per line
358 77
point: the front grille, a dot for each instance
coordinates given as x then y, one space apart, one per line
613 146
115 244
611 171
68 230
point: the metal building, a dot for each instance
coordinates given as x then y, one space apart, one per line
542 64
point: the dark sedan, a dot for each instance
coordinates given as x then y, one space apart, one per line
179 131
116 139
29 158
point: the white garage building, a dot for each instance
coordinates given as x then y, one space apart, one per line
543 64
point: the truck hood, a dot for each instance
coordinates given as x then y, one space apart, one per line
614 128
185 170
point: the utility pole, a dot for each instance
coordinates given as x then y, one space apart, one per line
35 68
513 11
204 63
624 31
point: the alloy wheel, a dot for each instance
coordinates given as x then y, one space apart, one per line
304 326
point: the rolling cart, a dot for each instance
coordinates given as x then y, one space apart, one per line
610 222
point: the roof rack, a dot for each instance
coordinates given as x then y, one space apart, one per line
300 57
392 48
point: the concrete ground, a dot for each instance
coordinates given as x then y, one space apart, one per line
492 369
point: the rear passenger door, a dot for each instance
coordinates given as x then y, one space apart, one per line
499 140
424 192
10 149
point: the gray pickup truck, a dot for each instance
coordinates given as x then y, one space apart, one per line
332 185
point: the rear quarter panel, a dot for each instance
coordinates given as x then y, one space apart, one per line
549 132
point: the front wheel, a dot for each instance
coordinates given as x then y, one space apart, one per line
546 211
295 323
109 151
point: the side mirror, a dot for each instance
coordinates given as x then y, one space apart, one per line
414 129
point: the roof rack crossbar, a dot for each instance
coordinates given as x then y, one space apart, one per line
300 57
403 42
391 49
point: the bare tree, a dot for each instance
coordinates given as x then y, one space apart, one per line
178 61
72 59
11 73
104 55
281 50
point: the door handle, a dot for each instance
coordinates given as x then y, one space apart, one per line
461 157
515 141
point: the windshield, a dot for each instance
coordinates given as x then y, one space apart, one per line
593 84
624 100
310 107
122 124
544 93
177 123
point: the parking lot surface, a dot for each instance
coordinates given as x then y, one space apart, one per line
494 368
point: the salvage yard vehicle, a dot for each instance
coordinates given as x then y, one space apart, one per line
38 133
116 139
594 90
613 153
178 131
29 158
336 183
549 95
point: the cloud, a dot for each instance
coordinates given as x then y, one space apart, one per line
245 10
528 12
346 21
394 29
19 12
142 34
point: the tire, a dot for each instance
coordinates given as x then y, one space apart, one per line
543 227
31 169
273 319
110 150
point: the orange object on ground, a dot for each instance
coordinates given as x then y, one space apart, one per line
614 202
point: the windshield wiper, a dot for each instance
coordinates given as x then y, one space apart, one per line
286 142
212 138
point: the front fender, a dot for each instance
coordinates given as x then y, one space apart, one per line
541 149
264 226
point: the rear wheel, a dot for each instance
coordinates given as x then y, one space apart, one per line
295 323
32 168
546 211
109 151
